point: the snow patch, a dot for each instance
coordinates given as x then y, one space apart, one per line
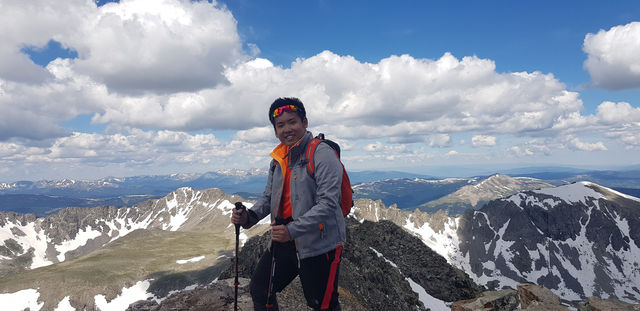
65 305
382 256
128 296
227 207
434 304
177 220
21 300
445 243
429 301
516 198
243 237
81 239
574 193
36 239
194 259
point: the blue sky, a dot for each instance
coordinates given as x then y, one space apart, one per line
544 36
156 87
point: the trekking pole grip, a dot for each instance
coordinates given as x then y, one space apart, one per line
240 206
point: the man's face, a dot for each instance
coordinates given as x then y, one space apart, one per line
290 128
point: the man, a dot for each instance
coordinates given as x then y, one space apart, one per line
308 228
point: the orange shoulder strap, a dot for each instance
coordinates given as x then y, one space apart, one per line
311 149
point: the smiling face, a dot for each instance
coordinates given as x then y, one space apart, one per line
290 128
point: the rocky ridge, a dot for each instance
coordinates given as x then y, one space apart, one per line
376 273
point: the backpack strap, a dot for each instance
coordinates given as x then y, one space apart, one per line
311 149
273 165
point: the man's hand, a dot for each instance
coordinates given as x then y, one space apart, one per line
239 217
280 233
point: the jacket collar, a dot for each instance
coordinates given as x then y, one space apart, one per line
293 153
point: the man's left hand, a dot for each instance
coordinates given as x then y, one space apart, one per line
280 233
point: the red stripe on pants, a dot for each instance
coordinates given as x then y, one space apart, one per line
332 279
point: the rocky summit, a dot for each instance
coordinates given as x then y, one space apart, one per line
383 268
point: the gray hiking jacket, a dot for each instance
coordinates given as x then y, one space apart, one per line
318 225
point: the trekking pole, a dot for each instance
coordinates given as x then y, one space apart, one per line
270 304
240 206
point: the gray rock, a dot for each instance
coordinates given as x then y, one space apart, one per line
597 304
502 300
215 297
535 295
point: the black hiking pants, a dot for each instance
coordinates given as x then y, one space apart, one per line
318 275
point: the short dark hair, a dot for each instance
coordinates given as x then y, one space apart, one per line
283 101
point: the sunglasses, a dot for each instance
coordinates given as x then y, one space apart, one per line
287 108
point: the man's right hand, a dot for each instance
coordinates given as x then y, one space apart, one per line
239 217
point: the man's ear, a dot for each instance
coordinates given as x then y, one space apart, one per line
305 122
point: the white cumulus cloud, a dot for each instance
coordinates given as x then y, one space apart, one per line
622 112
161 75
580 145
156 45
440 140
614 57
533 147
483 141
377 146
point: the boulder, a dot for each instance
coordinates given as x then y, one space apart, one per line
502 300
219 296
597 304
534 295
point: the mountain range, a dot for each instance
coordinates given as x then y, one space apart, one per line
230 181
405 190
578 240
454 195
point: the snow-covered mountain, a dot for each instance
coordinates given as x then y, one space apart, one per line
578 240
27 242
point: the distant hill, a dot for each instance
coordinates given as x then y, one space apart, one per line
230 181
43 205
629 179
409 193
455 195
479 193
357 177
